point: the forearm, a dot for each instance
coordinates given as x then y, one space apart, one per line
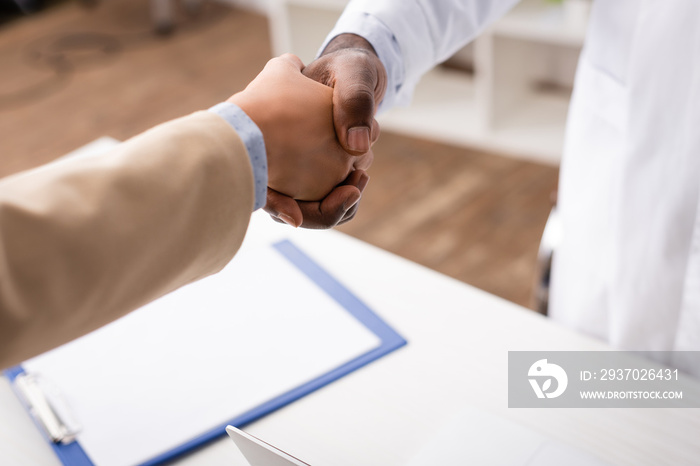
84 242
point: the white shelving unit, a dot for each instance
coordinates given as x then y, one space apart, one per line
499 108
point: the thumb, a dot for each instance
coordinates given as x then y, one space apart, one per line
353 111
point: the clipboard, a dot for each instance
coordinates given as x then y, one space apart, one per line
70 452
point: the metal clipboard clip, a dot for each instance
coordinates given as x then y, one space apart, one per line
47 407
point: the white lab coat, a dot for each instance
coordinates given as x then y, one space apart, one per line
628 270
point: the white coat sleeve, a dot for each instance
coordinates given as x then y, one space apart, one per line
412 36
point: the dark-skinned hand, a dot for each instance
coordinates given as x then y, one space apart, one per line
351 67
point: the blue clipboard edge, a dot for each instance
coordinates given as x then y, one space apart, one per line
74 455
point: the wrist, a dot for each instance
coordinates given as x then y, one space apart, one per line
250 108
252 139
348 41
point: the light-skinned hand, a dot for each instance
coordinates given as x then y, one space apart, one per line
295 115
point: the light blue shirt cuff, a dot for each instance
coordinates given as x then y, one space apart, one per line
384 43
254 143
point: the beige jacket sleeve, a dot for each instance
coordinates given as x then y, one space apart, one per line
83 242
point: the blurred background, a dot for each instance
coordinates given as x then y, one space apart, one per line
463 179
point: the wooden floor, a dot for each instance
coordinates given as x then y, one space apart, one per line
70 75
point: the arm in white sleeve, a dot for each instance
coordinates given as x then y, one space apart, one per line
412 36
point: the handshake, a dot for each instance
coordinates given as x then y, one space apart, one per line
316 165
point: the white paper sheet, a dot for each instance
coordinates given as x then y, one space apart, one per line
200 356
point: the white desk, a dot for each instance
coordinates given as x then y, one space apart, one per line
456 356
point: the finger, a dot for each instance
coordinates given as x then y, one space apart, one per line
364 161
362 180
284 64
375 131
283 208
350 214
329 212
356 178
339 206
361 185
292 59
